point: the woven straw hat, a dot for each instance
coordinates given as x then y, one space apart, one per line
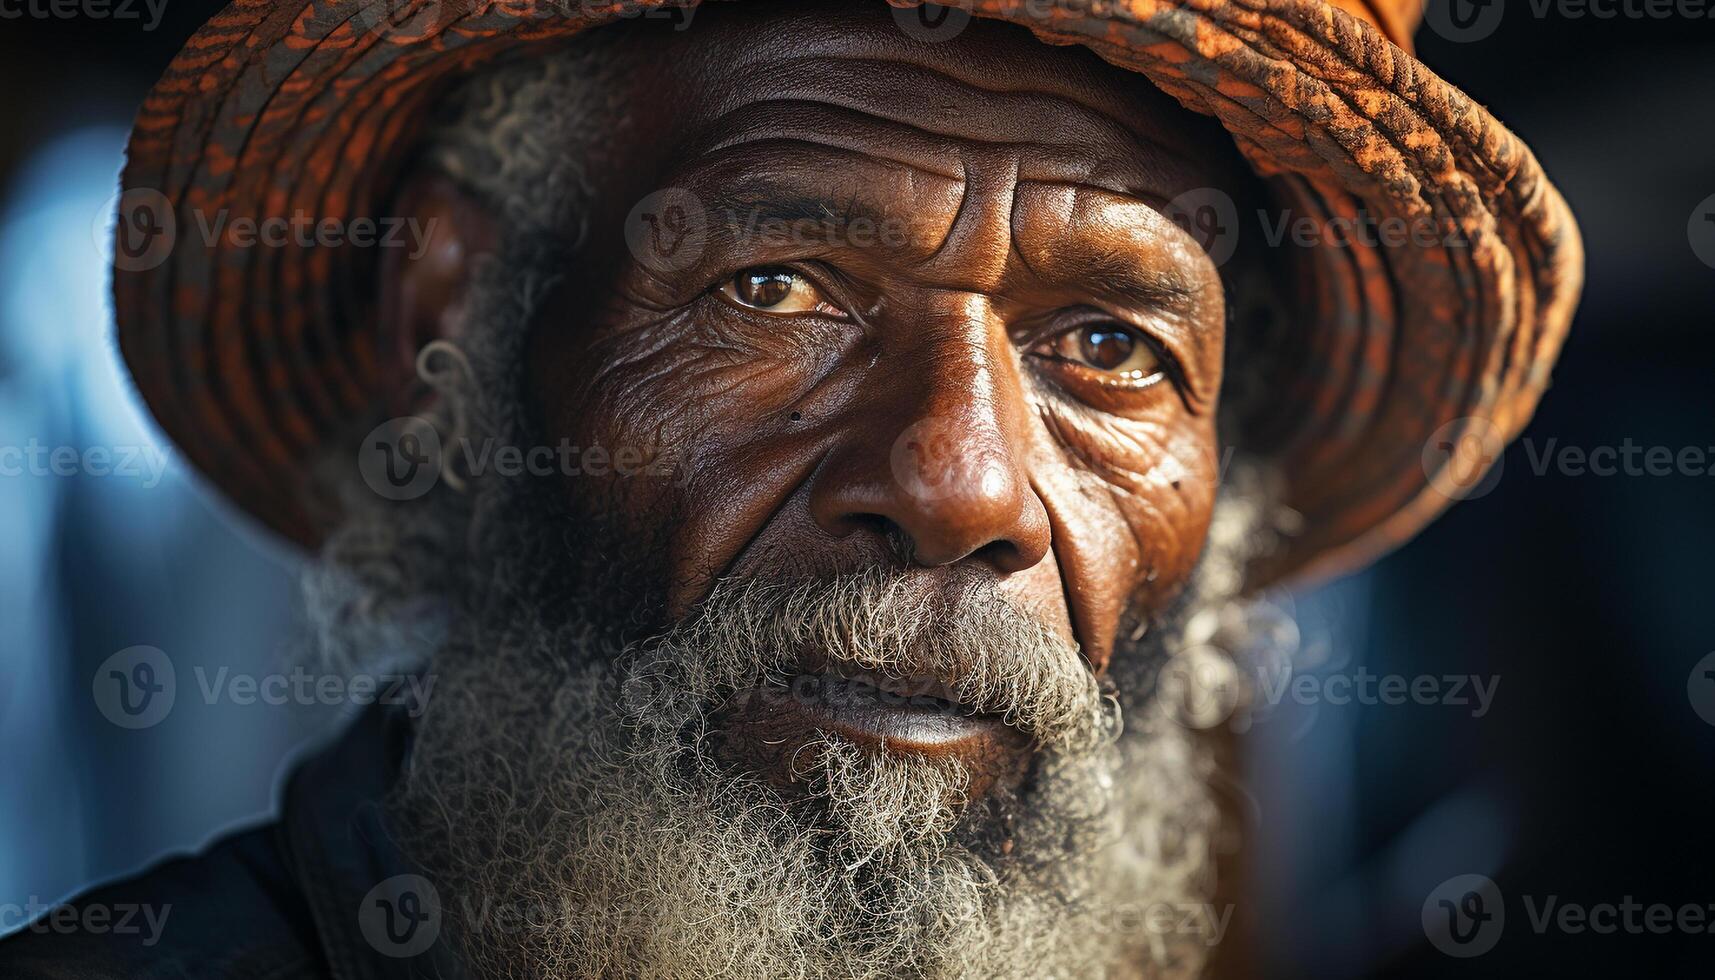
256 360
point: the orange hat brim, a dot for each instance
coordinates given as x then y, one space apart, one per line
256 361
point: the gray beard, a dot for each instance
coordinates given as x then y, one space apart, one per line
567 795
579 819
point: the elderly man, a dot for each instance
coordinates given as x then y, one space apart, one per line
816 432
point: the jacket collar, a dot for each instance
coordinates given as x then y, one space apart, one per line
377 916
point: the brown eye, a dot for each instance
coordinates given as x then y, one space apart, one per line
1110 348
776 290
1105 349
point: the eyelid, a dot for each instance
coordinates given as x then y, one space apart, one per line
833 285
1080 318
817 283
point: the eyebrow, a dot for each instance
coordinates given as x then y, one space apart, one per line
754 208
1118 273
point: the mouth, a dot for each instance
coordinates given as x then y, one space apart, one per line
919 715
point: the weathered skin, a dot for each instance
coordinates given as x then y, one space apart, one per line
935 390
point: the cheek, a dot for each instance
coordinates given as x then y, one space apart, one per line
710 411
1134 497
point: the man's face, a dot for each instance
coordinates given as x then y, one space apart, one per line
899 305
937 382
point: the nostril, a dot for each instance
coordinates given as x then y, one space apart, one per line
896 539
1005 556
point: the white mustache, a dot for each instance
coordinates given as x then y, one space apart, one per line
974 649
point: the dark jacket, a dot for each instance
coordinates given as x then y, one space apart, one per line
321 892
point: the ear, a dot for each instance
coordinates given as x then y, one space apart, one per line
425 282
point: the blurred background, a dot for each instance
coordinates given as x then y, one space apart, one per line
1582 602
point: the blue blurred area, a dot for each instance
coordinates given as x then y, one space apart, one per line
98 561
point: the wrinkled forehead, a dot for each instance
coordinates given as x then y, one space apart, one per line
847 80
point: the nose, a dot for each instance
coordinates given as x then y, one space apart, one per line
940 457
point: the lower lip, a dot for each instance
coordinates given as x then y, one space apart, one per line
788 717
